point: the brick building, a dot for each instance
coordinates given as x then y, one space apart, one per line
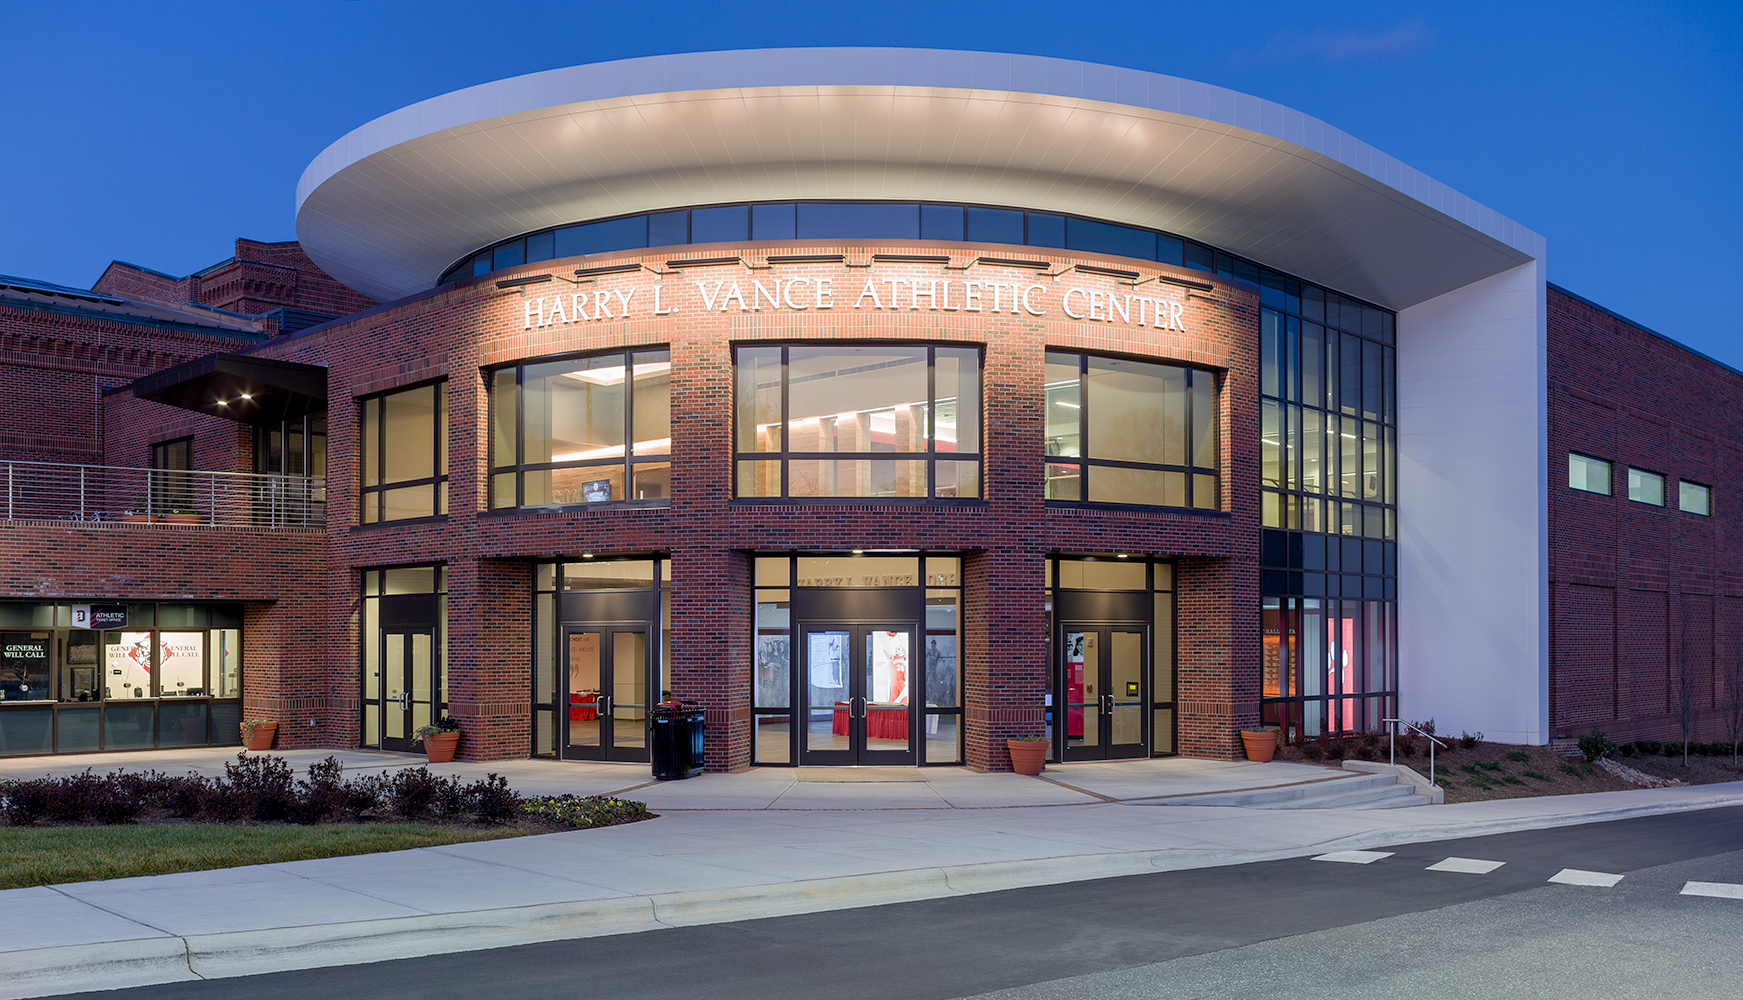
842 406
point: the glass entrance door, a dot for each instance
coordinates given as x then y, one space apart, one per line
607 693
1103 692
856 687
406 684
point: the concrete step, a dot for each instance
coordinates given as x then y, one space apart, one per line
1386 793
1307 795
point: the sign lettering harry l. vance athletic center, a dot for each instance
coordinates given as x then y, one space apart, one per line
807 294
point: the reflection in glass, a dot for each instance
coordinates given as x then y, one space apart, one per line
629 692
584 667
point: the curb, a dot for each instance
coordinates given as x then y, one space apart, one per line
152 960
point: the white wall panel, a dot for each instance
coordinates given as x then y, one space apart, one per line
1473 593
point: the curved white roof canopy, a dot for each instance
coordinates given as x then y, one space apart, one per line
389 206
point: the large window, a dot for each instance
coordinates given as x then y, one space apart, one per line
582 430
1130 432
165 675
1328 455
403 453
858 420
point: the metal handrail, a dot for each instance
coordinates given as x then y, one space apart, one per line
62 491
1432 743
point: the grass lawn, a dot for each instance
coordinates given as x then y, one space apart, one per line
47 855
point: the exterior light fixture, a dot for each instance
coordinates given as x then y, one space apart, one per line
222 403
246 396
531 279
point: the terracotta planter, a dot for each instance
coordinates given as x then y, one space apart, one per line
1261 744
1027 756
184 519
441 746
260 738
140 518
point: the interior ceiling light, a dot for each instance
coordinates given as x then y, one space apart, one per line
614 376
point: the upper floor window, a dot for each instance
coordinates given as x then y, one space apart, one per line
1130 432
403 455
1589 474
582 430
1694 498
858 420
1646 487
172 489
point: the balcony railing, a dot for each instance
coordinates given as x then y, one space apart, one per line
53 491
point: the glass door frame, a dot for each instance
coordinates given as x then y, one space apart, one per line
858 751
1106 703
408 741
608 747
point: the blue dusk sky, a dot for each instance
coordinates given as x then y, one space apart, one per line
157 133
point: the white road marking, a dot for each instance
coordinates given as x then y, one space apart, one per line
1354 857
1573 876
1723 890
1470 866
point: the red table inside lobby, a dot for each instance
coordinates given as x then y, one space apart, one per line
583 707
881 723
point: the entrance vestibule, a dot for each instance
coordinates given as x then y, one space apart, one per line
1111 695
856 660
601 648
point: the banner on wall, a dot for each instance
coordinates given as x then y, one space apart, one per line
889 668
181 663
127 665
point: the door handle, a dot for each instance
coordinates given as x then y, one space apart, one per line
861 707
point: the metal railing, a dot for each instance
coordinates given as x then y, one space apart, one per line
1432 743
55 491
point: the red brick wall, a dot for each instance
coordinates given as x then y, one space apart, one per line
1006 541
53 366
1641 597
259 278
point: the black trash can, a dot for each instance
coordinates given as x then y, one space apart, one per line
675 734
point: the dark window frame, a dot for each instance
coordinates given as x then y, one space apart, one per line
1085 462
931 456
378 491
519 467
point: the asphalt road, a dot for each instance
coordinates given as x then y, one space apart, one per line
1296 928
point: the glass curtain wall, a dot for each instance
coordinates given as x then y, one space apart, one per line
1130 432
403 454
171 676
1328 473
582 430
858 420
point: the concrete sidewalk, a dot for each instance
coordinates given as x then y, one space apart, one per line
726 847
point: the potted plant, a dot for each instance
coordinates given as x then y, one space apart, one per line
1261 743
139 512
440 740
1028 753
258 733
183 515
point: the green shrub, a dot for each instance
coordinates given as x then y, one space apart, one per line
582 811
1539 777
1518 756
1596 746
